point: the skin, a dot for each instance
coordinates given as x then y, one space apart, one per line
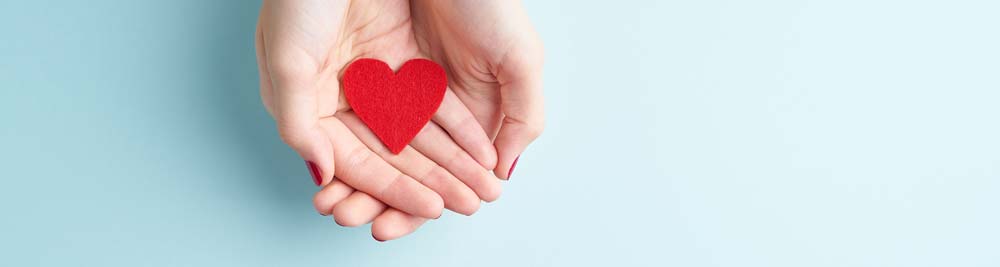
494 93
494 61
301 59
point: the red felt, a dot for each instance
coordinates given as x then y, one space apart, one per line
394 106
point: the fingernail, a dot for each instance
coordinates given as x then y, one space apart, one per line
314 171
376 238
511 171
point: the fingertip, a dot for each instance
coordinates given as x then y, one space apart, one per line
482 150
357 209
512 166
314 148
458 122
410 196
393 224
329 196
434 208
506 173
457 196
344 218
500 174
314 172
466 207
383 230
491 192
507 160
343 221
509 147
516 134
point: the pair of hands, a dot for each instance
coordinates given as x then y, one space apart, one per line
491 111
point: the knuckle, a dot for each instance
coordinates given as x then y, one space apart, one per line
295 137
530 127
535 129
291 65
438 174
429 175
383 191
455 157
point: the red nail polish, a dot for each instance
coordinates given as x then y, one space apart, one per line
511 171
314 171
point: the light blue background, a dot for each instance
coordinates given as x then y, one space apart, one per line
680 133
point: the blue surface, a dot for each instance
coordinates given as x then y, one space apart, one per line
681 133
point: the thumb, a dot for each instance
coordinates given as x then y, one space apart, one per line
522 105
290 91
295 105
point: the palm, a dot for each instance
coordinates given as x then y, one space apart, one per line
327 35
307 44
493 58
303 47
471 39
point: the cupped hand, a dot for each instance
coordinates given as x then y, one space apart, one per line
493 58
302 47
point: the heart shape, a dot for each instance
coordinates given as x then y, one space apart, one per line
395 106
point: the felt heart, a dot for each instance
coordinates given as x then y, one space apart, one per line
394 106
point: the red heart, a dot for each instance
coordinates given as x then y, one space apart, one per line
395 106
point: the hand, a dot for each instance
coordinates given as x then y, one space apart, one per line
302 47
353 208
494 62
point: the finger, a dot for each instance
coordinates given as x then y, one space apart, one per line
463 127
393 224
357 209
330 195
522 106
292 101
484 104
433 142
366 172
457 196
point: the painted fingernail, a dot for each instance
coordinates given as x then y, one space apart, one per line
512 165
314 171
376 238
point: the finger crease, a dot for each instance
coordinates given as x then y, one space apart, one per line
397 179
